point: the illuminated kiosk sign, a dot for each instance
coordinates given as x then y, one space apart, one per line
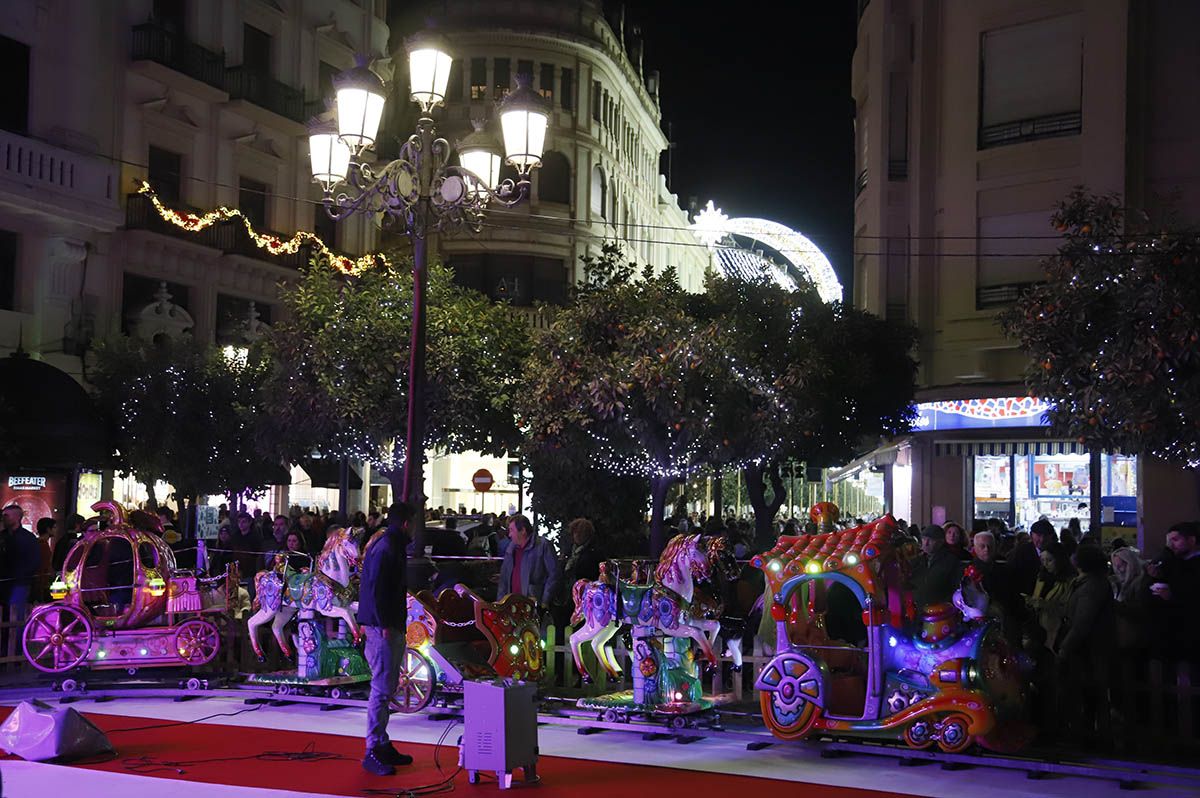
1007 411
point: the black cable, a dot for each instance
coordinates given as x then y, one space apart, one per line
445 785
149 765
188 722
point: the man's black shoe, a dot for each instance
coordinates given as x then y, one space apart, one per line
373 763
389 755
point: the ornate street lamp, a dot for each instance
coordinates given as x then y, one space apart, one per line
421 190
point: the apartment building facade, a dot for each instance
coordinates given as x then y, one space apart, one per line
973 121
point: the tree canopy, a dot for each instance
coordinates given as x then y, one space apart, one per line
339 381
1112 333
184 413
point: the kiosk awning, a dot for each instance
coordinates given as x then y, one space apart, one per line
947 448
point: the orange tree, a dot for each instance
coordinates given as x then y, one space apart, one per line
1112 333
627 380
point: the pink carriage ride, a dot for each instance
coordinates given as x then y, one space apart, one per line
120 602
457 636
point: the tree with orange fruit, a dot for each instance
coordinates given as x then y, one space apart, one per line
1112 334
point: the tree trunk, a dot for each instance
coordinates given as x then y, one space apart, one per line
659 486
764 511
718 496
151 499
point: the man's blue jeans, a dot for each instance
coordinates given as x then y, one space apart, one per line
384 656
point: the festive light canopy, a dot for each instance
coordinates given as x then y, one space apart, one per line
712 227
273 245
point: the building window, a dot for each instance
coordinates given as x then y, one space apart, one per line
501 78
526 68
546 81
256 50
252 199
325 75
515 278
599 202
860 151
1011 247
8 270
1031 81
897 126
325 227
454 86
14 61
138 292
166 174
170 15
597 98
567 94
478 78
233 318
554 178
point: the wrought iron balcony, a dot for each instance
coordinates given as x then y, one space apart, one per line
1042 127
266 92
998 296
152 42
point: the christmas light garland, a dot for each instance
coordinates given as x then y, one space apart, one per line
193 223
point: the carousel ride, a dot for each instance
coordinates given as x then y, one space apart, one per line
666 616
121 602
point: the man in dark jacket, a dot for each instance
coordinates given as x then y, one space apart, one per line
382 594
21 558
1087 645
530 565
937 573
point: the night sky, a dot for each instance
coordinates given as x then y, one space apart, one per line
758 95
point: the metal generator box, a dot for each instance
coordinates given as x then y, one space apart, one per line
500 730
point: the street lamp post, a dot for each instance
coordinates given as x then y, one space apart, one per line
421 190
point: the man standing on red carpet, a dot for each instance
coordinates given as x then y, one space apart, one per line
382 614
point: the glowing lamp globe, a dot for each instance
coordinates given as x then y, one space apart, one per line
479 155
524 116
360 96
329 154
428 71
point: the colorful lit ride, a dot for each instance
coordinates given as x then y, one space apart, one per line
941 679
120 602
457 636
328 656
664 613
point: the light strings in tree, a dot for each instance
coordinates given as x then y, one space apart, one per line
194 223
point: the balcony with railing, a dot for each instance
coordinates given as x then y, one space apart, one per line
229 237
1042 127
152 42
988 297
266 92
38 176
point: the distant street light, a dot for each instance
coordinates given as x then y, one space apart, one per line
421 190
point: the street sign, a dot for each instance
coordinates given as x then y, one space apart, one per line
482 480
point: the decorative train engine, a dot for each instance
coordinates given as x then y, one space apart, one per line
938 679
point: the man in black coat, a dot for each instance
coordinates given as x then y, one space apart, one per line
937 573
382 594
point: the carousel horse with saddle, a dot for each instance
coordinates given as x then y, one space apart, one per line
282 591
668 604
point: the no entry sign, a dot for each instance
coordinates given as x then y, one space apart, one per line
482 480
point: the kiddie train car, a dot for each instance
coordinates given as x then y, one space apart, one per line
853 660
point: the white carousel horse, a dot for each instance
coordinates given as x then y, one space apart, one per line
666 604
282 592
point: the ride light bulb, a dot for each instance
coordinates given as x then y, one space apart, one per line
514 649
143 652
101 654
851 559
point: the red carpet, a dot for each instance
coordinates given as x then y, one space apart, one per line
216 754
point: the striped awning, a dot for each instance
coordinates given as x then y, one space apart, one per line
965 448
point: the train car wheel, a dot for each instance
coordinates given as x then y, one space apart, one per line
193 684
335 693
57 637
787 722
197 641
69 685
952 733
919 734
414 690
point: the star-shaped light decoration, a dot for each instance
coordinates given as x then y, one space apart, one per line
711 225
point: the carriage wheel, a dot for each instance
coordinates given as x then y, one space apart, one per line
57 637
414 690
952 733
919 734
787 723
197 641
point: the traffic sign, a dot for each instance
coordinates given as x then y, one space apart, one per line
482 480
